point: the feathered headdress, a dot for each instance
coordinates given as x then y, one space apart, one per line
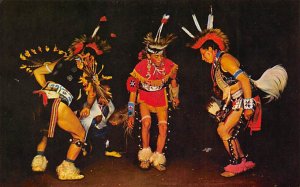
94 42
35 58
89 64
158 44
209 34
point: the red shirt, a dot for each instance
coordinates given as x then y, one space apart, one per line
152 80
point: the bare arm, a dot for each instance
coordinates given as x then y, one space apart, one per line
174 93
231 65
132 97
40 73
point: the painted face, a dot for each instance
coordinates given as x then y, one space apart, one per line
156 59
208 55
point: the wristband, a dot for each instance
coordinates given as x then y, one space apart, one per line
130 109
249 103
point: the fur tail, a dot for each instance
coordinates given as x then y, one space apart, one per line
272 82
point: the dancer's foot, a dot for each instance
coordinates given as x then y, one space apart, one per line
232 170
158 160
67 171
160 167
145 164
248 164
39 163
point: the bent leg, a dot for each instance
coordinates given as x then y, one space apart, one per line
225 131
68 121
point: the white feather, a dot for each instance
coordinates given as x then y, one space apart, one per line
157 37
210 21
213 108
165 16
187 32
196 22
95 31
273 81
158 33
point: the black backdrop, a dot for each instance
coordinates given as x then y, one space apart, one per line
262 34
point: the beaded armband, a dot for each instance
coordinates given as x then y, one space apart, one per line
130 109
237 73
249 103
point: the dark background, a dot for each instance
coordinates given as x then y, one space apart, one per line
262 34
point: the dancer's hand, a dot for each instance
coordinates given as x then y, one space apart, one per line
248 114
175 102
85 112
130 122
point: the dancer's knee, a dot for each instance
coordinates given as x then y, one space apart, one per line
162 126
146 124
223 132
79 134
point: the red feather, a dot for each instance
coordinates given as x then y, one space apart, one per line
95 47
77 48
164 20
103 19
113 35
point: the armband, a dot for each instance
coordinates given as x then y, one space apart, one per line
132 84
249 104
237 73
130 109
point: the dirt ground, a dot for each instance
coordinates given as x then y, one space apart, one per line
198 169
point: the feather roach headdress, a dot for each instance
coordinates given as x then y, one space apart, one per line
209 34
91 73
158 44
35 58
95 43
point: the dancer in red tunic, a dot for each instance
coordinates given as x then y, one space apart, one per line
147 83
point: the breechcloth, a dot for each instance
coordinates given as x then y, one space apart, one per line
49 114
